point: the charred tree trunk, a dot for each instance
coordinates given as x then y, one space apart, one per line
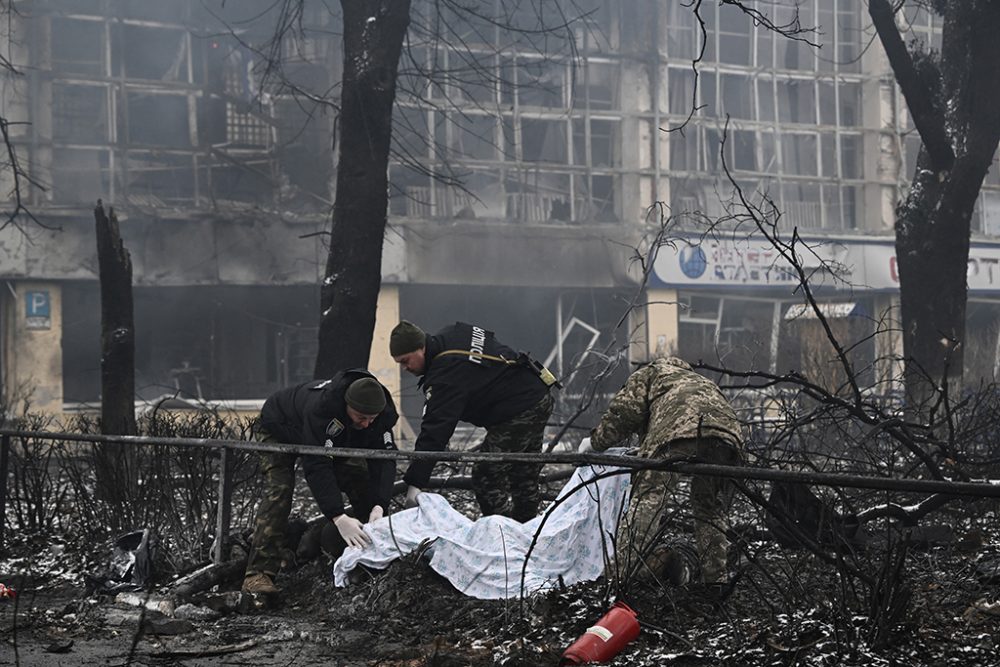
373 39
954 101
113 465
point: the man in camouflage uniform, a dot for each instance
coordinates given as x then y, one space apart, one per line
351 410
677 414
466 374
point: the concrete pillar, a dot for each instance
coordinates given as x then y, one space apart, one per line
888 343
661 322
32 347
380 362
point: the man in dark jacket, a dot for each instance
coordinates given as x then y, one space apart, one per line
468 375
352 410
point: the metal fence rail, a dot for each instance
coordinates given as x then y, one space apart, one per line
984 489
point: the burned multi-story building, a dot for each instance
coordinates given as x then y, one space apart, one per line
525 169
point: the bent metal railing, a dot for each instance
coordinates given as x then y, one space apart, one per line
984 489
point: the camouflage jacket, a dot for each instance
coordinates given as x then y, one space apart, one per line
666 401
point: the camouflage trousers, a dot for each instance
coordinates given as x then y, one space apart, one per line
269 550
511 489
655 497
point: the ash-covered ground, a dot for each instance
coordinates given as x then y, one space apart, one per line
789 607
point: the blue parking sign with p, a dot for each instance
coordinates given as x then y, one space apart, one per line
37 304
37 310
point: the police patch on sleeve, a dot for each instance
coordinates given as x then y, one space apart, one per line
387 439
427 399
333 429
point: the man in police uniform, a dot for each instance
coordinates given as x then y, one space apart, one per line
676 413
466 374
352 410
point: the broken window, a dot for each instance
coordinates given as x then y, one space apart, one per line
707 94
246 180
827 102
765 99
734 36
470 25
737 100
80 176
745 331
982 342
596 31
741 150
850 196
850 36
542 83
925 27
305 146
156 119
698 321
989 204
683 146
851 163
682 36
796 103
765 49
159 53
710 36
792 53
410 192
800 205
602 81
605 139
79 114
481 195
534 196
412 83
732 332
544 140
508 82
798 154
410 131
768 152
828 155
838 206
157 178
242 347
78 47
595 198
219 342
474 136
850 104
639 26
680 91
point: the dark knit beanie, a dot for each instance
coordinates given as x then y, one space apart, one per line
406 337
366 396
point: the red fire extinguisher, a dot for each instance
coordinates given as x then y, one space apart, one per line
606 639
